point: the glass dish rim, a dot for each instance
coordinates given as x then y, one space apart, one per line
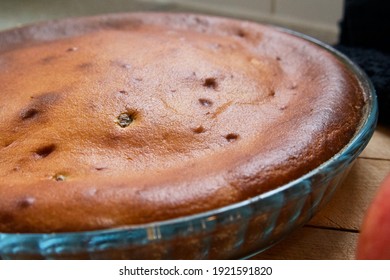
369 119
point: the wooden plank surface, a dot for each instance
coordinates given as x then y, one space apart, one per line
334 231
351 200
313 244
379 146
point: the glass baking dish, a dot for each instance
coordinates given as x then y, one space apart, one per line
235 231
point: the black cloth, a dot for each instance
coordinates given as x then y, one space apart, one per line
377 66
365 38
366 24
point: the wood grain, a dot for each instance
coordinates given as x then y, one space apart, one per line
379 146
350 202
313 244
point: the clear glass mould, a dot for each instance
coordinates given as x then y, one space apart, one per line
235 231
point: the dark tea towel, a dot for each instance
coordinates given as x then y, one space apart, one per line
377 66
365 38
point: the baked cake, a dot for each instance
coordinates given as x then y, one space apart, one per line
133 118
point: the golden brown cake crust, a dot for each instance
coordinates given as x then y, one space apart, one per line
133 118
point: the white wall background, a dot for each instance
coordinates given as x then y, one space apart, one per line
318 18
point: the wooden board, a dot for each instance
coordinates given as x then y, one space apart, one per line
379 146
351 200
313 244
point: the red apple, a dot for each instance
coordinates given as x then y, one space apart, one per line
374 239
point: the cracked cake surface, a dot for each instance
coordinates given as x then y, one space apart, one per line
127 119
